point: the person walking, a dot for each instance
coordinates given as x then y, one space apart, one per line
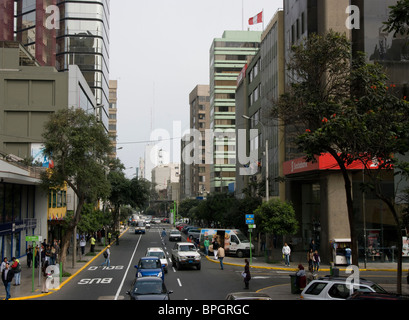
7 277
109 237
107 256
215 248
206 244
92 241
15 265
316 260
310 260
83 243
246 274
163 235
286 254
220 255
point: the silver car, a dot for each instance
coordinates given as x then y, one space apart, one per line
337 288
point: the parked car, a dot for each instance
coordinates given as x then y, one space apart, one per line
148 288
336 288
148 267
186 229
158 252
180 226
175 235
193 233
248 296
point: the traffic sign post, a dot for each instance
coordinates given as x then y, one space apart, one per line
251 225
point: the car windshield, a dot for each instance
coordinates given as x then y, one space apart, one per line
149 287
187 248
242 237
158 254
174 232
150 264
378 289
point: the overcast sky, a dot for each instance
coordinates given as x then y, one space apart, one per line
159 52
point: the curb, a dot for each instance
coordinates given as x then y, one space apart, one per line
70 277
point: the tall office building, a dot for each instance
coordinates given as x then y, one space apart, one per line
228 55
62 33
113 99
199 101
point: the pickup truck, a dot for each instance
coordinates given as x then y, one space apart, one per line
185 254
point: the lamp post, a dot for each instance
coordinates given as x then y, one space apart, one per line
266 154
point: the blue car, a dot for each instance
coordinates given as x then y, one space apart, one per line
150 267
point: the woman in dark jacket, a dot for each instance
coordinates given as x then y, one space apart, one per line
247 275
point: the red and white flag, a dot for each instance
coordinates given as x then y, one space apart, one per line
256 19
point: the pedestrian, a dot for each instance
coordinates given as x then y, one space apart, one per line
263 242
246 274
286 254
107 256
215 247
16 267
220 255
317 260
163 235
83 243
29 253
300 278
53 255
313 246
3 264
109 237
348 255
206 244
7 276
92 241
310 260
46 275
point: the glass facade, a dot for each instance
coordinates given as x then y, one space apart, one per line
16 218
83 39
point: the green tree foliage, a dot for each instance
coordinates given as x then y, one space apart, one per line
78 144
398 21
276 217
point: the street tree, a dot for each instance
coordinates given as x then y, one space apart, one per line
276 217
78 145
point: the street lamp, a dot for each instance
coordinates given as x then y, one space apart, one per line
266 154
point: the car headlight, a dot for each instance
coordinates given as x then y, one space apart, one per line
160 274
197 258
139 275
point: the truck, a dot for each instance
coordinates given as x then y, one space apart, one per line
185 254
233 241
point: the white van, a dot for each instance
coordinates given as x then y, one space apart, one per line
233 241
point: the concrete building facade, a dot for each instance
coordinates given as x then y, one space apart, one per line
228 55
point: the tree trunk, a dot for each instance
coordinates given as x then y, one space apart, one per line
65 243
350 206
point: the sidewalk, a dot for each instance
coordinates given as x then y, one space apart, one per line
29 289
283 291
279 292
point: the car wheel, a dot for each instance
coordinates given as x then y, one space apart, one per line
199 266
178 266
240 254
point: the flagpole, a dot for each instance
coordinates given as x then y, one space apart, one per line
242 15
262 18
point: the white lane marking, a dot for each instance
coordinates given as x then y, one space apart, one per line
180 284
127 269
